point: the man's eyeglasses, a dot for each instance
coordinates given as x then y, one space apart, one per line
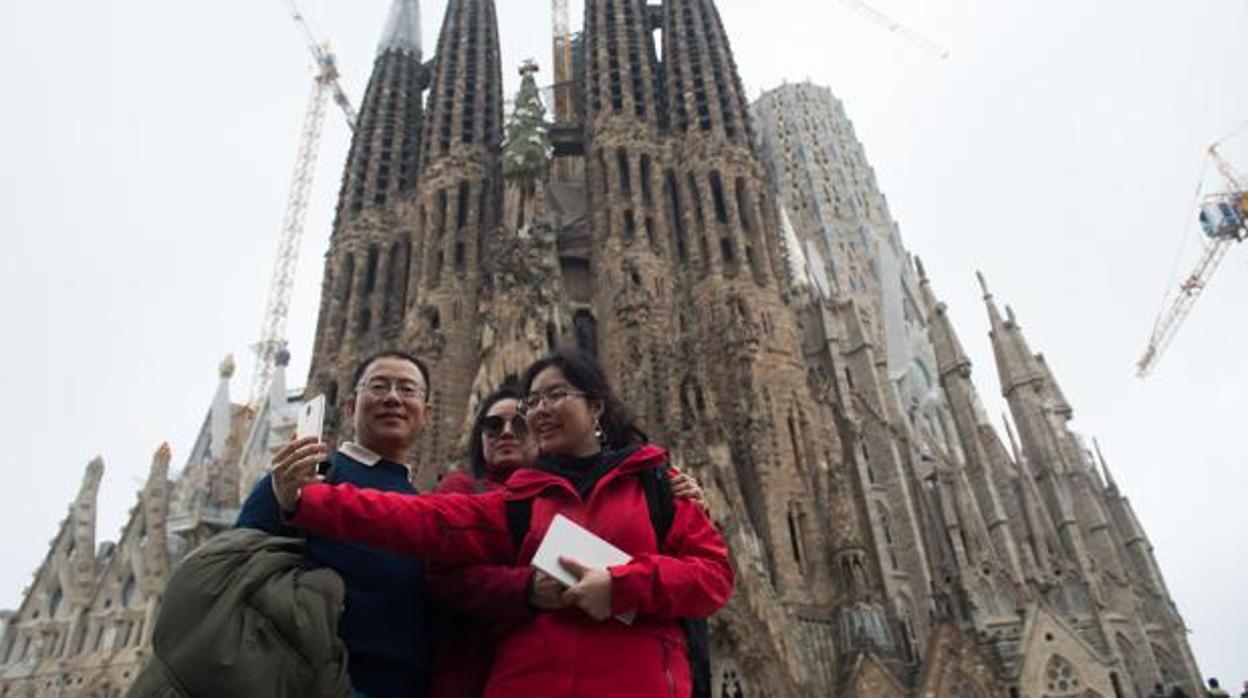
550 398
494 425
381 387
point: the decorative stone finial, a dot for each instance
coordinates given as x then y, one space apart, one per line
282 357
164 453
983 283
226 369
529 67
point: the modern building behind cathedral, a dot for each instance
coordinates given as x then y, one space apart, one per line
736 269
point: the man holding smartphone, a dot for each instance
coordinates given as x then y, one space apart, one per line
385 622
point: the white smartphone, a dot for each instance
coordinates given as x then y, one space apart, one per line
311 418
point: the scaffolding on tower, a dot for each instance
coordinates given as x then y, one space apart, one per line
325 85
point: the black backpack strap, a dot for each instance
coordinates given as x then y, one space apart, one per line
661 501
519 515
657 485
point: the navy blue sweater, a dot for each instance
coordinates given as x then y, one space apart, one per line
385 624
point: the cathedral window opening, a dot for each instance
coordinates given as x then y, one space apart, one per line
344 296
654 243
646 194
886 528
613 53
717 196
54 602
729 256
365 321
440 219
585 332
483 204
127 592
396 283
460 258
1061 679
370 275
675 215
626 183
797 534
743 206
461 210
793 443
630 224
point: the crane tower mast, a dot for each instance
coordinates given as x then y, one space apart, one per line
281 285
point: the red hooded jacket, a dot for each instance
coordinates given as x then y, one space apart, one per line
477 604
561 654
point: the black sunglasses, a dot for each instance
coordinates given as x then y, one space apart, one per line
492 426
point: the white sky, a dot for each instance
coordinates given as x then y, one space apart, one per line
147 148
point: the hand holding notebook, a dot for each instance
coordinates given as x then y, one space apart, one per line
568 540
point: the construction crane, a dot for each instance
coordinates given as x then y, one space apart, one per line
1224 219
562 55
277 309
891 25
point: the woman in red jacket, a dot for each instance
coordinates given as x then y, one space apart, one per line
591 458
481 602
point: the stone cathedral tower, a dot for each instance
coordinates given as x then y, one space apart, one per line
737 271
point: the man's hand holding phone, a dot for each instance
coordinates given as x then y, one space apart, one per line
299 463
294 467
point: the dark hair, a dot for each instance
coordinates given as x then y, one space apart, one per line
584 373
476 452
362 367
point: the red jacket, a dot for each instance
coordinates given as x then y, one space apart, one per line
476 604
565 653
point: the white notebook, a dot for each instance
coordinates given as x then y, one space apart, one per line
567 539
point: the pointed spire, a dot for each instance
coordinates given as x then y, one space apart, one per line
1016 366
950 354
1060 404
277 388
465 106
159 473
82 518
402 32
222 410
1110 484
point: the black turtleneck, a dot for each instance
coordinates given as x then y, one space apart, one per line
583 472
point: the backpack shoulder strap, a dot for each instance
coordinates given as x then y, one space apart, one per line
519 516
657 485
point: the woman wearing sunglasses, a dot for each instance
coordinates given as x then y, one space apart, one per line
486 600
591 469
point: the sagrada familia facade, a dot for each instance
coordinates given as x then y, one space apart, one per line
736 269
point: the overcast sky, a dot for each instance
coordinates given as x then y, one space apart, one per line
146 148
